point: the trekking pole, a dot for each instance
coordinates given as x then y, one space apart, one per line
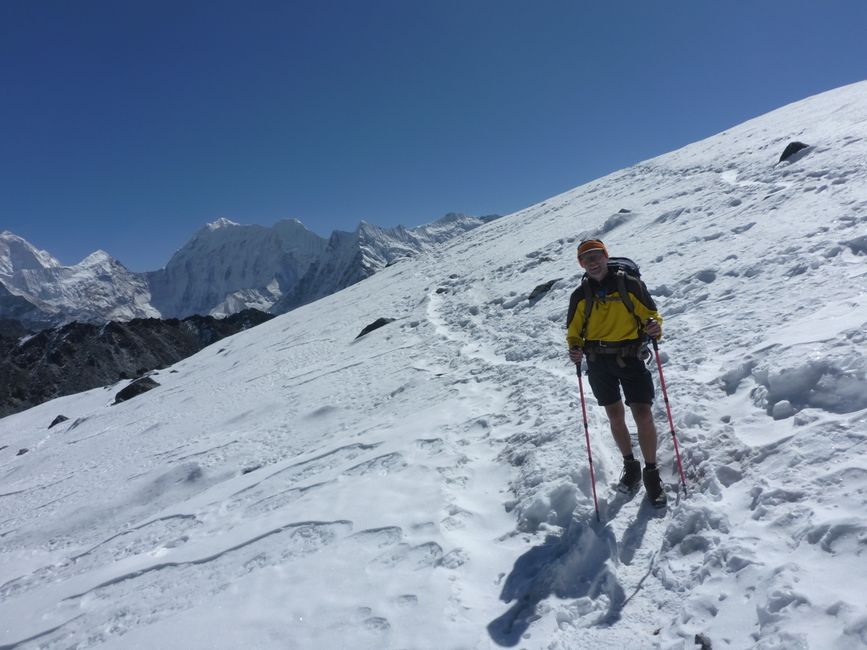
668 409
587 437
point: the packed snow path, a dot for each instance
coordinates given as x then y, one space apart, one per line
426 486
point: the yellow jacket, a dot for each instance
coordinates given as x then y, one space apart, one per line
610 319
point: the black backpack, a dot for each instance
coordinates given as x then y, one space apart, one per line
628 266
621 267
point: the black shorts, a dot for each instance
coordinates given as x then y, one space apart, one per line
606 377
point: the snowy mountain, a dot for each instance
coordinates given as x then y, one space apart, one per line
426 486
99 288
224 269
226 266
352 257
22 311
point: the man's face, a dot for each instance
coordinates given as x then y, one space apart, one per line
595 263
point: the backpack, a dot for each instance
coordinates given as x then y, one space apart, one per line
628 266
621 267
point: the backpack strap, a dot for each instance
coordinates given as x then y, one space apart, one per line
588 306
627 301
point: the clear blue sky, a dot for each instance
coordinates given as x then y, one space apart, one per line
127 125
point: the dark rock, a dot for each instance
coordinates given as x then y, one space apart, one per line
80 356
858 245
58 420
379 322
542 289
442 290
13 329
791 149
702 642
21 452
614 221
135 389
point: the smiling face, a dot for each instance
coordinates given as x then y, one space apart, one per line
595 263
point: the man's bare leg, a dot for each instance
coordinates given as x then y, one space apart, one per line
617 421
643 416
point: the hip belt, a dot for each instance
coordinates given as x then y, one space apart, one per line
636 348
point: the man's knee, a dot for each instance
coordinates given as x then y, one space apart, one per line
615 412
641 413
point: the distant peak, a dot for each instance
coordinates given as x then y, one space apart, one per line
222 222
96 258
18 253
9 235
291 223
366 226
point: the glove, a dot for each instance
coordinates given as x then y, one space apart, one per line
576 354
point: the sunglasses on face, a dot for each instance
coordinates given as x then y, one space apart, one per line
593 256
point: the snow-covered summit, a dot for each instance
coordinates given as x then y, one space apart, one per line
98 258
97 289
426 486
222 222
17 254
219 262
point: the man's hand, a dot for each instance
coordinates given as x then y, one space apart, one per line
576 354
652 328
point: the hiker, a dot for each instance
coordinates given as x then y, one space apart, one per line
611 334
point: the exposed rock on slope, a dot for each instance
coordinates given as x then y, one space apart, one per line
80 356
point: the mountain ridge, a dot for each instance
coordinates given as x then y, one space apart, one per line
224 268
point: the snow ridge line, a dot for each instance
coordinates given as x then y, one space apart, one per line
210 558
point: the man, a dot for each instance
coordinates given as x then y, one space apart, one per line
613 340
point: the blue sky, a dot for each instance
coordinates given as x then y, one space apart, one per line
126 126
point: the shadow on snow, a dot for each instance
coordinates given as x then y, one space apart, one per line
572 565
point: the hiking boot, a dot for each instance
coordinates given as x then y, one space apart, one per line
630 478
653 487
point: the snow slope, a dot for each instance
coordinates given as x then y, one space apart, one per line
426 486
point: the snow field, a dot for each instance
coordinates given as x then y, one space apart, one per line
426 486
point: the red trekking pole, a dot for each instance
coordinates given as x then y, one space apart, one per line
668 409
587 437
